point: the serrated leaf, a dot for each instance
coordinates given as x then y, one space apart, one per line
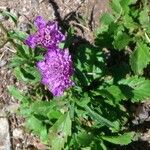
106 19
84 138
116 7
59 132
121 40
98 119
113 93
41 107
54 114
89 61
140 88
144 17
15 93
129 23
125 5
37 127
140 58
84 101
34 124
123 139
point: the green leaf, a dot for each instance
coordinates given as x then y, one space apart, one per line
129 23
83 101
42 107
40 57
16 34
15 93
144 17
37 127
106 19
34 73
125 5
59 132
101 120
84 138
34 124
23 51
54 114
61 45
12 16
113 93
88 62
116 7
121 40
27 74
140 58
102 145
140 88
17 61
86 148
123 139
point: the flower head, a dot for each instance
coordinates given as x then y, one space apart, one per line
47 35
56 70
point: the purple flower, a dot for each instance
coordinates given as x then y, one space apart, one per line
48 34
56 70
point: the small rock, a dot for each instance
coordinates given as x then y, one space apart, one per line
18 133
2 63
2 18
35 2
24 27
141 115
4 135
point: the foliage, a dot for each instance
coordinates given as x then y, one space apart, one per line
107 75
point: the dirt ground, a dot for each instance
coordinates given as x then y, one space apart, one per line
83 14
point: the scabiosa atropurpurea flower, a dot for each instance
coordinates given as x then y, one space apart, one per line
48 34
56 70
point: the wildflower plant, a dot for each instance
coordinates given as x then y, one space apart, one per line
82 104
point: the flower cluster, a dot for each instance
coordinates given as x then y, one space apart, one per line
56 67
48 34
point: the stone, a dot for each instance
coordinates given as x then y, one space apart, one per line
18 133
5 143
2 63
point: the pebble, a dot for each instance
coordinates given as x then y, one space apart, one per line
2 63
35 2
24 27
2 18
18 133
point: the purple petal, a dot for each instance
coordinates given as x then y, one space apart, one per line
39 22
31 41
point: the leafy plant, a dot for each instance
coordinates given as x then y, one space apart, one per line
107 75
